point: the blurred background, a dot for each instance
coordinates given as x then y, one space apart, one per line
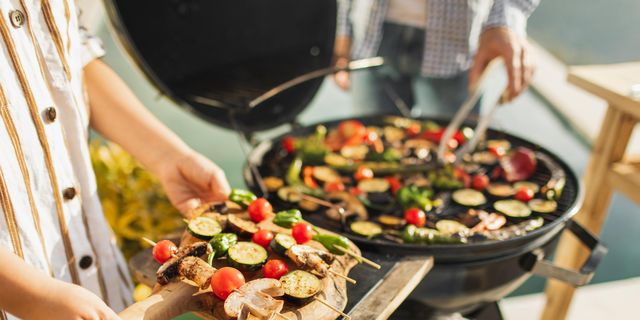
552 113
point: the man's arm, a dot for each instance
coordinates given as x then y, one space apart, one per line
342 46
505 36
31 294
187 177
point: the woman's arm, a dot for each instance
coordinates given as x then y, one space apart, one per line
30 294
187 177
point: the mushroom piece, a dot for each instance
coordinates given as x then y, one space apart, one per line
196 270
350 204
170 269
255 297
311 259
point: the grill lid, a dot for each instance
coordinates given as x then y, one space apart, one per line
215 57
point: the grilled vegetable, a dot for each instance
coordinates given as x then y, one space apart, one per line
255 297
311 259
247 256
534 187
512 208
519 165
287 219
241 227
469 197
220 244
374 185
501 190
543 206
388 155
313 149
273 184
274 269
196 270
169 269
413 234
289 194
363 173
366 229
281 243
392 222
242 197
330 241
485 158
552 190
355 152
164 250
259 209
414 197
524 194
263 237
300 285
325 174
515 230
451 227
302 232
204 227
415 217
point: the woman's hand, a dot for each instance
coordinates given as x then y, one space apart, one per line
67 301
502 42
191 179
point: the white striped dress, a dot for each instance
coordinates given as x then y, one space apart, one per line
50 214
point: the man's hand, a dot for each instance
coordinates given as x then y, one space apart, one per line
341 52
192 179
502 42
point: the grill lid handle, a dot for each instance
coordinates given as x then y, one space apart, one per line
536 264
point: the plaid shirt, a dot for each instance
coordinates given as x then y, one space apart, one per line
452 30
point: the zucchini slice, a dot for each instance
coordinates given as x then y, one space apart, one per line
366 229
336 160
247 256
451 227
281 243
325 174
273 184
543 206
501 190
355 152
528 185
374 185
289 194
392 222
512 208
204 227
469 197
300 285
241 227
486 158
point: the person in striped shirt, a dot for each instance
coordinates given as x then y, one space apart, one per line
59 258
433 49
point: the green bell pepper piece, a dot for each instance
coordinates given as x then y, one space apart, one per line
330 241
220 244
242 197
287 219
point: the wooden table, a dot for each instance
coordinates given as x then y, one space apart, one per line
376 296
608 170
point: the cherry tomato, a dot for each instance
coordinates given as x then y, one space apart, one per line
262 237
352 130
371 137
413 129
394 183
355 191
436 135
259 209
225 280
334 186
274 269
463 176
363 173
480 181
289 144
415 217
496 173
459 137
302 232
524 194
164 250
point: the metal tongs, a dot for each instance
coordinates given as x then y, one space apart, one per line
483 124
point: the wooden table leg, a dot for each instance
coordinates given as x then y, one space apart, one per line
610 147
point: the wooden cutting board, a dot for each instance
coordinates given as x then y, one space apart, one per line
178 297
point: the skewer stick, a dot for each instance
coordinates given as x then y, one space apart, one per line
346 316
358 257
185 221
342 276
149 241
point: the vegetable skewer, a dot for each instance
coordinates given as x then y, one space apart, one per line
358 257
